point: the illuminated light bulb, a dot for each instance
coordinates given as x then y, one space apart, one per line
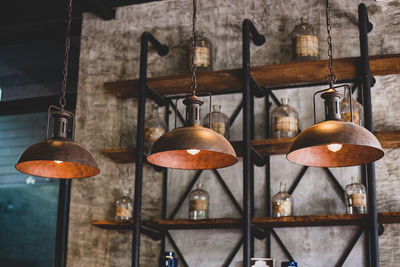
58 161
334 147
192 151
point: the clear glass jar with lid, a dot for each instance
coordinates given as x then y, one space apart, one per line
219 121
358 109
305 42
285 120
203 57
198 203
124 207
356 197
282 202
154 128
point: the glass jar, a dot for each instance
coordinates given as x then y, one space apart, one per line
356 197
285 120
198 203
124 207
282 203
219 121
358 109
154 128
203 58
304 42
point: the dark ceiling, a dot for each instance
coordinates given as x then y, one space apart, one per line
32 37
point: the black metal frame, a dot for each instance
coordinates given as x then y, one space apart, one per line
251 157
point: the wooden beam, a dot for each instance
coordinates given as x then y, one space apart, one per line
270 76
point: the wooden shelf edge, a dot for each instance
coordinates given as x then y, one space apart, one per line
270 222
265 147
280 75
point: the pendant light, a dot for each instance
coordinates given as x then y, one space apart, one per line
334 143
192 147
59 157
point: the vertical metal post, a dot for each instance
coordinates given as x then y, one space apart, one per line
251 177
268 176
365 26
165 185
258 39
64 196
246 145
162 50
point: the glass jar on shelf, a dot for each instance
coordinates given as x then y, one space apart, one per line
305 42
124 207
282 202
198 203
285 120
154 128
358 109
356 197
219 121
203 57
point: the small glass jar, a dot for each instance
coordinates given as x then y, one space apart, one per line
124 207
305 42
203 57
219 121
169 259
285 120
282 203
154 128
358 109
198 203
356 197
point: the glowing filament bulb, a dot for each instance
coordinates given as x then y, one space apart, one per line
58 161
334 147
192 151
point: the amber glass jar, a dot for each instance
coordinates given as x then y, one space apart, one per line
304 42
285 120
203 57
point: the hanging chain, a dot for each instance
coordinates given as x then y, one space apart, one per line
193 86
331 78
63 100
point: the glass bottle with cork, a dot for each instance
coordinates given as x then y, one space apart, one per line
124 207
219 121
356 197
154 128
282 202
285 120
358 109
305 42
198 203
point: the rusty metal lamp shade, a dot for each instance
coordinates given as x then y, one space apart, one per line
58 157
334 143
192 147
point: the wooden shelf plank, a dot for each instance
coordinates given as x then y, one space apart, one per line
265 147
228 223
270 76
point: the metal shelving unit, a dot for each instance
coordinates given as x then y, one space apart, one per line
254 82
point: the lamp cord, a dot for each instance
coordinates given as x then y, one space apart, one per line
331 78
63 100
193 86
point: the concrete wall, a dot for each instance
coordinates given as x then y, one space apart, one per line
110 52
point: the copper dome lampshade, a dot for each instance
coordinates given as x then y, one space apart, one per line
334 143
58 157
192 147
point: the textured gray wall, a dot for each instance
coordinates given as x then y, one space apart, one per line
110 52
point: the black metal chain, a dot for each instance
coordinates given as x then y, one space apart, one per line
63 100
331 78
193 86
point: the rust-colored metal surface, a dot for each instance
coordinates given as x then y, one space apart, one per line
171 150
57 159
359 146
